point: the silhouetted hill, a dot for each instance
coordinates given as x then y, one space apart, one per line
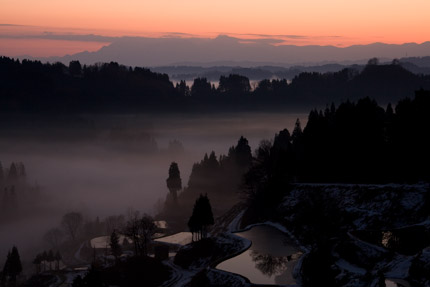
417 61
33 87
141 51
253 73
257 72
388 82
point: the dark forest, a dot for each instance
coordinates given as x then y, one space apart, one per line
34 87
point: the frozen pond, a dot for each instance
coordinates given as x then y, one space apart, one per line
270 259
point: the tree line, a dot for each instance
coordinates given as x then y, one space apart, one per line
18 198
34 87
358 142
45 259
217 177
12 268
15 172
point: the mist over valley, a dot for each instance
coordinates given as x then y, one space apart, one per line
112 163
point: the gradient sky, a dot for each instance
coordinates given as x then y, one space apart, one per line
330 22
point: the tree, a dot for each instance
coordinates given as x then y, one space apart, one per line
297 132
193 226
201 88
114 245
210 164
267 181
13 172
174 182
373 62
243 153
57 258
10 202
75 68
50 258
395 62
44 258
140 230
13 202
6 266
1 174
201 217
72 222
37 261
182 88
264 87
234 85
125 244
13 266
21 170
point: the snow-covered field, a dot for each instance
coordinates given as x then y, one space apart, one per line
103 241
366 209
371 205
181 238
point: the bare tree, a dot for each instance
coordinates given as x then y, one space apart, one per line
71 223
140 230
58 258
131 227
147 229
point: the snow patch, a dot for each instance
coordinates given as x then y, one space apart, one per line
180 238
235 223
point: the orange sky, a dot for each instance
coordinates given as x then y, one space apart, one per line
330 22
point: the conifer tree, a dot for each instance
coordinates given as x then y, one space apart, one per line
174 182
297 133
13 266
114 245
37 261
243 153
13 173
21 171
6 268
201 217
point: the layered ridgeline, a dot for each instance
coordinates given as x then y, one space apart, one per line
34 87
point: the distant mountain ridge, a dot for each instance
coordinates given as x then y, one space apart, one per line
416 65
155 52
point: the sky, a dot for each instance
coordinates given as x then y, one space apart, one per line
28 26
